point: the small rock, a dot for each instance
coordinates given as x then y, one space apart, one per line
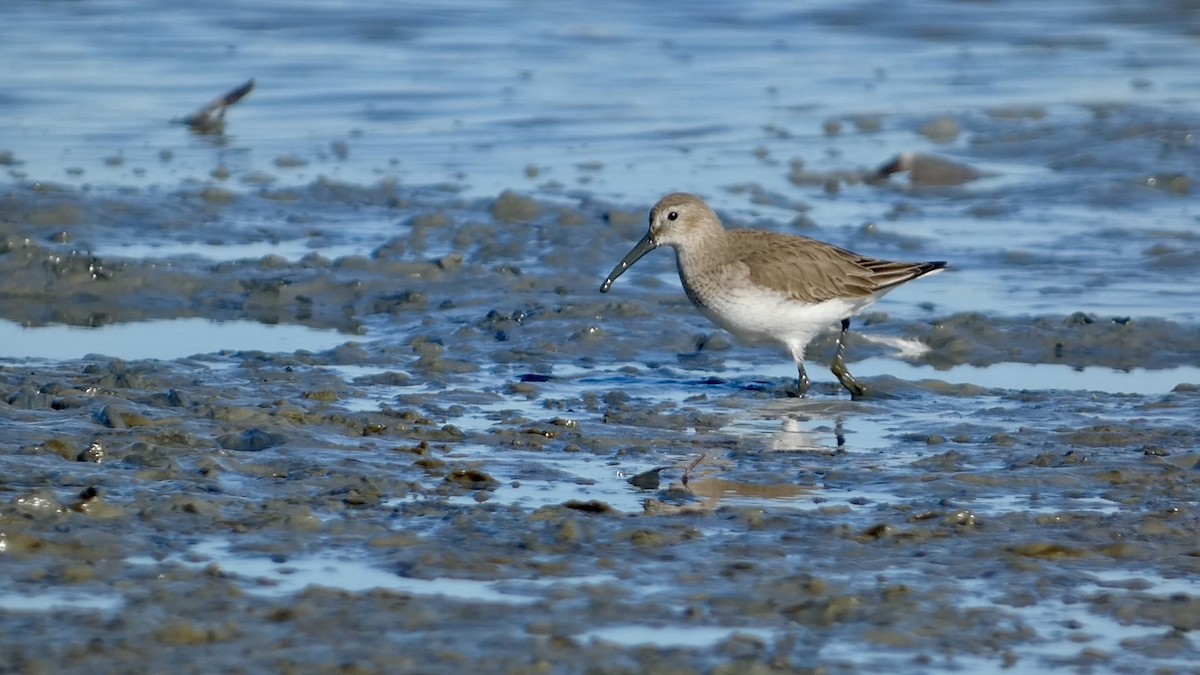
472 479
251 440
513 208
590 506
940 130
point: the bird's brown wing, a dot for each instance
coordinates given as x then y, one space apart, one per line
811 271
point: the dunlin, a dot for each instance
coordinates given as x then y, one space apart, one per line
763 285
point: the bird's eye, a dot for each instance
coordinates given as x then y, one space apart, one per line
673 215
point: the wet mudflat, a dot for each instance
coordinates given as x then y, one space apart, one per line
334 413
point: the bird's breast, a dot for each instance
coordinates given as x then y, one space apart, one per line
706 282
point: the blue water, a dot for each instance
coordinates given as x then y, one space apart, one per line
1074 106
473 92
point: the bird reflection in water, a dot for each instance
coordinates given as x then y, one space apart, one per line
711 486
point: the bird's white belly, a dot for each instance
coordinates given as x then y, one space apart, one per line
763 314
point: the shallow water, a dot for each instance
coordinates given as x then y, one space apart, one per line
346 364
164 339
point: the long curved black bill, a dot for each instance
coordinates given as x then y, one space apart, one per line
640 249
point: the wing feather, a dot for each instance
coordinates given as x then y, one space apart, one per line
811 271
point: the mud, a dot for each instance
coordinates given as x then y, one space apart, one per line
480 425
1023 513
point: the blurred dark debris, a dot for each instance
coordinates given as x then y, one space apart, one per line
928 170
210 120
647 480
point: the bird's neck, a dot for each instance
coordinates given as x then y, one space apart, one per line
701 244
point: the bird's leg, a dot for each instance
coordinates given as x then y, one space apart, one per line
802 381
838 366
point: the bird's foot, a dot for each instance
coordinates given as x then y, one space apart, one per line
802 383
857 391
800 391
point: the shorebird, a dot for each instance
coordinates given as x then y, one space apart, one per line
764 285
